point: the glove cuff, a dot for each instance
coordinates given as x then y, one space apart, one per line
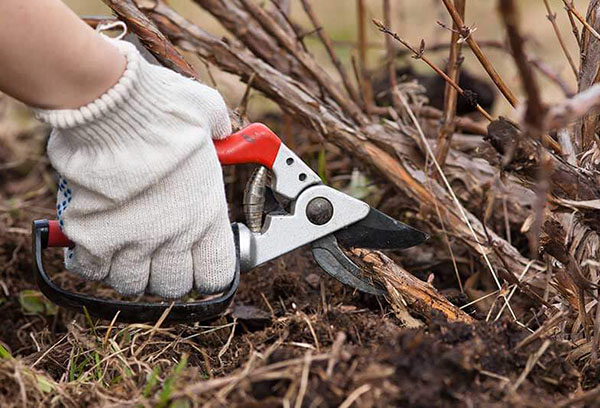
109 102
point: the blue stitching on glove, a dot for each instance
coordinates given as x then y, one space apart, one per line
66 194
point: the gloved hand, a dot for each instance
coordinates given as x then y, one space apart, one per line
141 191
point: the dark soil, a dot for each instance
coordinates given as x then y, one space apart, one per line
285 310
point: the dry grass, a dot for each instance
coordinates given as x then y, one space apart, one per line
320 344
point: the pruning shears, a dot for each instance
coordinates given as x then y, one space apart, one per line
305 212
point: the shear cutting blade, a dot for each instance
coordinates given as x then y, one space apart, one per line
379 231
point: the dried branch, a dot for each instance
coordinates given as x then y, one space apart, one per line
567 181
367 89
466 34
405 289
552 75
589 75
330 50
390 61
280 12
535 109
534 114
443 46
450 94
290 45
573 109
574 28
552 18
418 54
462 122
572 10
151 37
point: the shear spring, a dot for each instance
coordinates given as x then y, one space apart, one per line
254 198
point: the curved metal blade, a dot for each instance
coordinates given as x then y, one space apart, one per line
332 260
379 231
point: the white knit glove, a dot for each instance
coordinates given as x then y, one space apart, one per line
141 191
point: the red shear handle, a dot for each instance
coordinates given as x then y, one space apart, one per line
255 143
56 238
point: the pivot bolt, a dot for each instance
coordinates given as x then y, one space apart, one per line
319 211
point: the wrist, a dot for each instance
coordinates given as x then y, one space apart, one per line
103 105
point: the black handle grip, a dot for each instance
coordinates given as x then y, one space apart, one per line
130 312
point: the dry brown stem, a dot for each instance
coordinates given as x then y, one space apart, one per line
589 74
466 34
534 114
535 110
552 75
391 62
443 46
404 288
572 10
418 54
574 28
573 109
450 95
367 90
552 18
151 37
330 50
464 123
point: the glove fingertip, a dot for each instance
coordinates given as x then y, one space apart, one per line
80 262
214 261
221 129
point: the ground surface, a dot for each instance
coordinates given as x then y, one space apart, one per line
293 337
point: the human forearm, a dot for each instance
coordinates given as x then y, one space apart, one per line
49 58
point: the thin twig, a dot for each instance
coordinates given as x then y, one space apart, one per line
543 329
283 12
354 395
367 89
535 109
330 50
552 75
291 45
466 34
443 46
448 126
574 28
390 60
461 209
303 379
531 362
571 8
480 299
534 115
552 18
418 54
462 122
447 240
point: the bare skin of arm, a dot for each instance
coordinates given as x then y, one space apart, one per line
51 59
